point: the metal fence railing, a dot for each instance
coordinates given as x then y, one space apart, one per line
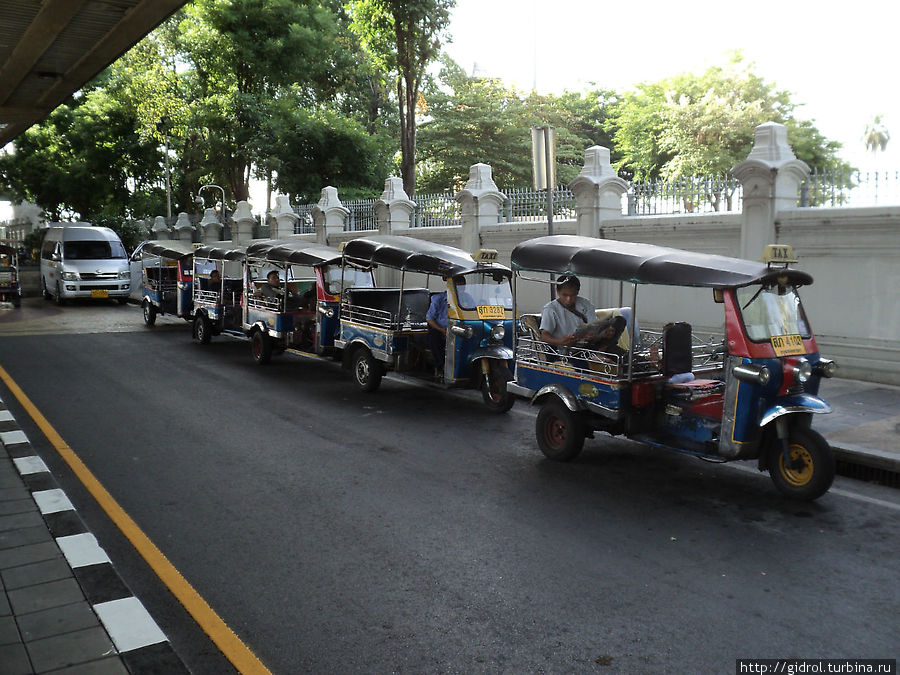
837 187
685 195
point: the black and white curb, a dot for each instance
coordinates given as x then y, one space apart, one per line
141 645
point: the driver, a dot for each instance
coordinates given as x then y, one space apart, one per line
560 318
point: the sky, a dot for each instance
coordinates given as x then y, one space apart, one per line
836 59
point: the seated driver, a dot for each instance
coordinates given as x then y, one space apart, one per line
272 287
560 318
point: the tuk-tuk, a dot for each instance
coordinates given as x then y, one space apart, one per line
10 290
301 313
749 394
218 291
167 279
385 328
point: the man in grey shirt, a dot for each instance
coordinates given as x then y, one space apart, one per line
560 318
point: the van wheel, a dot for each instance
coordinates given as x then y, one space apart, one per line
149 314
560 432
367 371
202 329
261 348
44 290
60 300
811 467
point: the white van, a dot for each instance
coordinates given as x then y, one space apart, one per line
81 261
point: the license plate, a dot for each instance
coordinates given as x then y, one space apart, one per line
99 293
788 345
491 312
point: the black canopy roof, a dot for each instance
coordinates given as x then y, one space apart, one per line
173 250
644 263
7 249
221 252
294 251
411 255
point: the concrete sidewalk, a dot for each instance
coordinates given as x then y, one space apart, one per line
64 608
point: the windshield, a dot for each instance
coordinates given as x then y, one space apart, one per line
483 288
93 249
353 278
773 311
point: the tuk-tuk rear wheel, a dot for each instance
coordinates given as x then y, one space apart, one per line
261 348
149 314
367 371
560 432
811 470
202 329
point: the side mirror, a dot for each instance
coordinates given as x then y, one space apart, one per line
56 257
718 295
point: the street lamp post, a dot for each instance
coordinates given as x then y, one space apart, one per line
200 200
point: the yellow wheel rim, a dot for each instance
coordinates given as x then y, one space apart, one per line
801 475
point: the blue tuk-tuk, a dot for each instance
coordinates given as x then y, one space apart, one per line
10 289
218 291
748 394
167 279
385 328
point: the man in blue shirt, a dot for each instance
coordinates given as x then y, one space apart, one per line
436 318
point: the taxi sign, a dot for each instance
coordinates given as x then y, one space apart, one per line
491 312
778 253
788 345
485 255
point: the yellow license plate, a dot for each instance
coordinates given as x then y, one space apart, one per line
788 345
491 312
99 293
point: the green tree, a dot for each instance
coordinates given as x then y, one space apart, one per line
404 36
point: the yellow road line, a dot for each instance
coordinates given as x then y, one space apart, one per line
230 644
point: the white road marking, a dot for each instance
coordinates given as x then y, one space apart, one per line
129 624
82 550
52 501
13 437
29 465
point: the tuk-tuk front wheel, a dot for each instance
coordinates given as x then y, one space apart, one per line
367 371
202 329
493 389
809 472
261 347
560 432
149 314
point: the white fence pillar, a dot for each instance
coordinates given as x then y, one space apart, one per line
394 210
329 215
480 204
285 218
160 230
771 176
210 227
184 231
242 224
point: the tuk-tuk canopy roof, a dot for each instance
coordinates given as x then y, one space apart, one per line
644 263
293 251
174 250
7 250
220 253
412 255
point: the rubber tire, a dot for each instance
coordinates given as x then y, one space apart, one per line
202 329
367 371
261 348
149 314
817 474
560 432
496 404
44 291
59 299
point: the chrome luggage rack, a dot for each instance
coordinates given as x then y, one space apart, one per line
379 318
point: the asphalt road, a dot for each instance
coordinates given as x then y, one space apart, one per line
412 531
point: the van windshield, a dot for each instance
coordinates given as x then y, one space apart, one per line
93 249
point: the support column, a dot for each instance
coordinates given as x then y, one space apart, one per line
184 231
329 215
285 218
243 222
771 177
480 204
210 227
394 210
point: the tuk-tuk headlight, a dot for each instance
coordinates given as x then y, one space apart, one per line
498 331
326 311
802 370
70 276
825 368
752 374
